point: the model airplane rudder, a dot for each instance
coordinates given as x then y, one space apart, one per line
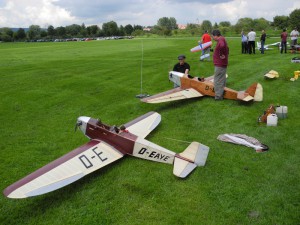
256 91
194 155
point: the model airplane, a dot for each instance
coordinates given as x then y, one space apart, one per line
107 144
193 87
267 47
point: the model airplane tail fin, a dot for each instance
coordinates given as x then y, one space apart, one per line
254 92
194 155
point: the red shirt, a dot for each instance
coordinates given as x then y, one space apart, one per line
221 49
284 36
206 38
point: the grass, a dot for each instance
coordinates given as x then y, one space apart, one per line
46 86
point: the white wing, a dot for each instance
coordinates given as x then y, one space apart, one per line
144 124
65 170
173 95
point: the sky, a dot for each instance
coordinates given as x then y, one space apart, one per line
23 13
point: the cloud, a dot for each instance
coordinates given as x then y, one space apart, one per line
19 13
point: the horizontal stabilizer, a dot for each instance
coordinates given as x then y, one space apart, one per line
243 96
183 168
194 155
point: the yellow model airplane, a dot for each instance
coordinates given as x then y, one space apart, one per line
193 87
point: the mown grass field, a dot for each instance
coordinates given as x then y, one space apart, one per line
46 86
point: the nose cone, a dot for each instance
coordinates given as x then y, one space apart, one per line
83 119
82 123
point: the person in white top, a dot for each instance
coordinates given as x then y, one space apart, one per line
294 36
251 41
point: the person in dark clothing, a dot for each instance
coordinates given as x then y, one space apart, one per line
181 67
262 42
220 59
284 36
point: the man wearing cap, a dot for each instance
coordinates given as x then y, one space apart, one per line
220 59
181 67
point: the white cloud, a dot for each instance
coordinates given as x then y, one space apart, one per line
19 13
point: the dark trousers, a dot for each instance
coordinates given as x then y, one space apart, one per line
251 47
262 48
283 46
244 47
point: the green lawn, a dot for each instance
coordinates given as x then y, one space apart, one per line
46 86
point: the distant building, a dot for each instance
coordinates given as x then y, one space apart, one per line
181 26
146 29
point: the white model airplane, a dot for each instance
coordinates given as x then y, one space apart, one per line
107 144
266 47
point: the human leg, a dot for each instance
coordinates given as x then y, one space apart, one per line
219 82
284 46
262 47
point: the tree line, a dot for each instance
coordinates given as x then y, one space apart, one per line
166 26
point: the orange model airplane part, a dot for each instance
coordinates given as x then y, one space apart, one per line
192 87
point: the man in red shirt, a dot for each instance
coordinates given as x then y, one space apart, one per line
204 39
220 59
284 36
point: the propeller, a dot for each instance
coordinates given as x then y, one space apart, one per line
78 124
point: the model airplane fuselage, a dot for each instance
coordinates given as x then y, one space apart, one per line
192 87
107 144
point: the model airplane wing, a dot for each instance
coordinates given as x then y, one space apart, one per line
173 95
144 124
65 170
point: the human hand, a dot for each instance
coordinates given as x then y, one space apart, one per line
222 56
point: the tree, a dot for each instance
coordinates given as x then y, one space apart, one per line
137 27
281 22
128 29
225 24
94 30
138 32
294 20
121 31
168 23
193 28
51 31
261 24
73 30
206 25
44 34
110 28
243 24
215 26
83 30
61 32
20 34
7 34
34 32
173 23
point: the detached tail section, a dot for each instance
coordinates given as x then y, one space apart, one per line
254 92
194 155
